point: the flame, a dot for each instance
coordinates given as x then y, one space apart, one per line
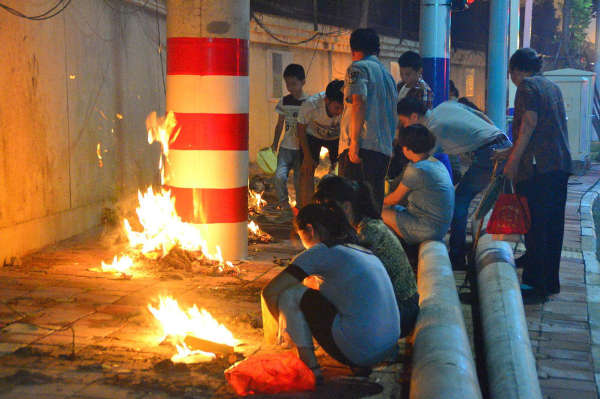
324 152
177 324
72 77
99 154
253 227
119 116
256 201
163 228
119 265
292 202
161 130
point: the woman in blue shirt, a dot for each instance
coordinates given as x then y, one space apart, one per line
353 314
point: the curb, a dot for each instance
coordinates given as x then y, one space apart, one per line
592 273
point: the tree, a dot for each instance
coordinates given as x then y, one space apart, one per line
577 15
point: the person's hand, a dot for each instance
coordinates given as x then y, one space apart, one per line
510 169
501 155
353 153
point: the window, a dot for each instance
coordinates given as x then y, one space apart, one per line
277 61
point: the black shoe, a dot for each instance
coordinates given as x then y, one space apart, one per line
533 297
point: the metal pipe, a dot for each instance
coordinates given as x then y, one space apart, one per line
208 90
509 360
434 36
498 62
527 23
443 365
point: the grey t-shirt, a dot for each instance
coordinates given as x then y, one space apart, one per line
431 195
367 325
458 128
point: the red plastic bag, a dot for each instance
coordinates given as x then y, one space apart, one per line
270 373
510 215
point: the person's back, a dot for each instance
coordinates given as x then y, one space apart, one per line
431 198
356 283
459 128
549 143
369 78
374 235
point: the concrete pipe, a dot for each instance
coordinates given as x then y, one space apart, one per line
509 360
443 364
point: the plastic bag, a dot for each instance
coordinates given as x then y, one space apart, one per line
510 215
267 160
270 373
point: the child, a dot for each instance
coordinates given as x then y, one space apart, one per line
318 126
289 156
356 200
413 85
353 315
426 189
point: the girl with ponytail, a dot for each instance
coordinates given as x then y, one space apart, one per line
352 314
356 200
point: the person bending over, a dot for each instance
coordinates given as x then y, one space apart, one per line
353 314
318 126
425 189
356 200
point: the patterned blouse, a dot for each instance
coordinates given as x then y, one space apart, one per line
549 143
376 236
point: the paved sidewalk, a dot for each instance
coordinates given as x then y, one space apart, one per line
563 330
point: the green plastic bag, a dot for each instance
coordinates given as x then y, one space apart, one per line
267 160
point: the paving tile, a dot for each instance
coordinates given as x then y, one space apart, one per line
553 393
567 384
564 354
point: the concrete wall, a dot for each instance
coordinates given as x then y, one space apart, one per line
64 82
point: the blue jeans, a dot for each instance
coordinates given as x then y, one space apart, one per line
476 178
286 160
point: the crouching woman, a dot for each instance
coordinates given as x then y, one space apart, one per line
353 315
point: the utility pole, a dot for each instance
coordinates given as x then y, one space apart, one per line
208 89
498 62
434 35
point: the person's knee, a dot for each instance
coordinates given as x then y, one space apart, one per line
289 300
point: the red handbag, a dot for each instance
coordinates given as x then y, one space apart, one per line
510 215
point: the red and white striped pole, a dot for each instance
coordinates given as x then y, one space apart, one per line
208 89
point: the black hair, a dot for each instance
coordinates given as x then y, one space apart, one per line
410 59
334 91
329 221
410 105
468 103
341 189
453 90
526 60
365 40
294 70
417 138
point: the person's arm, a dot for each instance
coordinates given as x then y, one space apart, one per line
397 195
277 134
356 122
528 124
271 292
